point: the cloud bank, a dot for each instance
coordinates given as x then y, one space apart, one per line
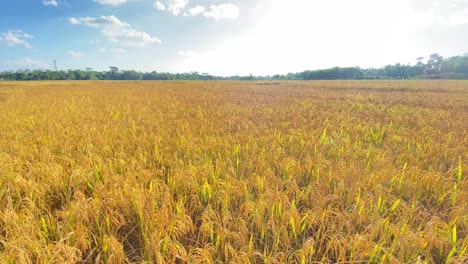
117 31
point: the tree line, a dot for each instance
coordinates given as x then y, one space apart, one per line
436 67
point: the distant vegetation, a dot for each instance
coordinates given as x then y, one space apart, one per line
436 68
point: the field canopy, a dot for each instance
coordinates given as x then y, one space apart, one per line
233 172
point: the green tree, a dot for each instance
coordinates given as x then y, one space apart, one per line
434 65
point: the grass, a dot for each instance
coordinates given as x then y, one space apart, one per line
239 172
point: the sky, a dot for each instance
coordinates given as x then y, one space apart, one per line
227 37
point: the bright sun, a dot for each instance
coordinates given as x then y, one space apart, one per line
310 34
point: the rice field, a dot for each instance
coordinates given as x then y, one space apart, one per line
234 172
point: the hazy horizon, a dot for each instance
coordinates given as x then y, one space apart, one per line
224 38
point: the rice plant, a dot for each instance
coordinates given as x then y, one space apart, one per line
234 172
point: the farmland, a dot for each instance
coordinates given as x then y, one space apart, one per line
234 172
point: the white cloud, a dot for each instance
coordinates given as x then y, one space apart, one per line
115 51
159 6
187 53
173 6
217 12
222 11
50 3
111 2
75 54
458 18
117 31
34 63
15 37
441 12
195 11
25 63
100 22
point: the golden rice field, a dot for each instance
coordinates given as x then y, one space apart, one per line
234 172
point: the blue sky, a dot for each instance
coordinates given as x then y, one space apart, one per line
227 37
